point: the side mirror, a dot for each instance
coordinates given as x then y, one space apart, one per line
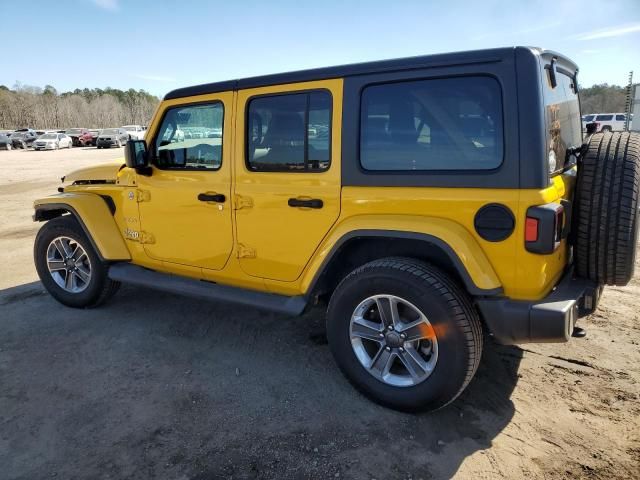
136 156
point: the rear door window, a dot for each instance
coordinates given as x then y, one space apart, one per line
289 132
604 118
436 124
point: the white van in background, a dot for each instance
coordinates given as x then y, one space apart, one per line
606 122
136 132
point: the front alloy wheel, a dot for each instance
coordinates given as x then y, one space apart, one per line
68 264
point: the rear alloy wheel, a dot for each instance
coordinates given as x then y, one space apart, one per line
607 192
68 265
9 146
404 334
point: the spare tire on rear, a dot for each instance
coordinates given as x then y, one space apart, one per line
606 211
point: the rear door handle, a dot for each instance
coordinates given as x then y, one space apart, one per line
312 203
211 197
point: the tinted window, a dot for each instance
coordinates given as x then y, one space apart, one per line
588 118
620 118
562 117
443 124
290 133
190 137
604 118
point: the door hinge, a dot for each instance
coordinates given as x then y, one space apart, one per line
246 252
146 238
240 201
143 195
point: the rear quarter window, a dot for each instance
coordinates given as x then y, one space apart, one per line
436 124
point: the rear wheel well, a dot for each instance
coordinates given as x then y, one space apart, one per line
357 251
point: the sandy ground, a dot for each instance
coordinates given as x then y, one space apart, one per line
158 386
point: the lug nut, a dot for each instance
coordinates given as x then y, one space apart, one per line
381 335
390 327
401 349
388 349
402 335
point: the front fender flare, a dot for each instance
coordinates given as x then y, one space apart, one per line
93 214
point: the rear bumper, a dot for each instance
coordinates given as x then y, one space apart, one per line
549 320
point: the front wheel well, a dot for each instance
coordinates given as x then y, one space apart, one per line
357 251
43 215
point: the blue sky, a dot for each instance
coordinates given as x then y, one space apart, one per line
160 45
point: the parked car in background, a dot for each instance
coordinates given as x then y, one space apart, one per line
23 138
606 122
85 139
112 137
75 134
5 142
136 132
53 141
94 136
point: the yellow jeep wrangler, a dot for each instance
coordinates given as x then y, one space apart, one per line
425 200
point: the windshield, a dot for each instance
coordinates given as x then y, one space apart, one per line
49 136
17 135
109 131
129 128
73 131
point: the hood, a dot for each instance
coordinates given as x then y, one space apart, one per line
107 173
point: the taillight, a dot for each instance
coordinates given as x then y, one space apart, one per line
544 228
531 230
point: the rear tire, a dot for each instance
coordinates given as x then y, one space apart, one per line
452 333
607 208
62 246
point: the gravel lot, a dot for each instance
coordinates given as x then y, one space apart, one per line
157 386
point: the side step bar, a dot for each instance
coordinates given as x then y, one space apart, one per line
128 273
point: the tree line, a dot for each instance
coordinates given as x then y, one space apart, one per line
45 108
602 98
26 106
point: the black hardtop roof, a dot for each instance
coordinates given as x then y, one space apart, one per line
397 64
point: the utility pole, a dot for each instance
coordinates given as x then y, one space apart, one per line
628 102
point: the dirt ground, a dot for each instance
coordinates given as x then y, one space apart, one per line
157 386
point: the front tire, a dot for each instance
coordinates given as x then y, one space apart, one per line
404 334
69 266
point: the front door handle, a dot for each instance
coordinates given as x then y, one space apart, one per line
211 197
300 202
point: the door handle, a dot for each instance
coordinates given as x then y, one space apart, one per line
211 197
312 203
